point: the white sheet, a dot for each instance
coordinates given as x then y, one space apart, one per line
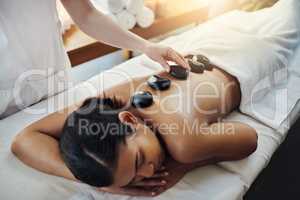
17 179
211 182
228 180
257 52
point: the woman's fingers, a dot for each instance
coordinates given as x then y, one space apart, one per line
156 180
162 168
160 175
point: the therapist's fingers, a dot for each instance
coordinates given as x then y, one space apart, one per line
176 57
164 63
184 60
163 54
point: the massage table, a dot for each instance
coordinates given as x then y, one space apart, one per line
226 180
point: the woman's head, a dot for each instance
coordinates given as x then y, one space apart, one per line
104 145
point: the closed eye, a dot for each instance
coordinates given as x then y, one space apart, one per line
136 163
135 169
139 160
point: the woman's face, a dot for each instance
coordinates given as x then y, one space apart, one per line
139 157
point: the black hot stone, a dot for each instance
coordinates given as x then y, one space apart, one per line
203 59
209 67
179 72
196 67
142 99
159 83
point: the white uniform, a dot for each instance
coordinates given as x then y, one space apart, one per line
31 53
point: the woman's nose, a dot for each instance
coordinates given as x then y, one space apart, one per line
146 171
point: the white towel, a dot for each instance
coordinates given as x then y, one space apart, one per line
113 17
257 49
134 6
126 20
116 6
145 17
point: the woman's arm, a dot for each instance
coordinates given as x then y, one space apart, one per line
37 145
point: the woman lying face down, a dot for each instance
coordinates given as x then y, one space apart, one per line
108 145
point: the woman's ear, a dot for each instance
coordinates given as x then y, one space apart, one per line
128 118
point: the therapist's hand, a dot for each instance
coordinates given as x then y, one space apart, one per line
90 19
162 54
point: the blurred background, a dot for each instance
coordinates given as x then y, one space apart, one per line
151 19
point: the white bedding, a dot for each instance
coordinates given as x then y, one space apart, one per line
255 48
227 180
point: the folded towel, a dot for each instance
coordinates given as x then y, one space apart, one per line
126 20
116 6
145 17
113 17
134 6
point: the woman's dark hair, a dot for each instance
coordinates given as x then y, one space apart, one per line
90 139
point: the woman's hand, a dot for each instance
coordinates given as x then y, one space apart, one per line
163 180
172 173
162 54
176 172
147 187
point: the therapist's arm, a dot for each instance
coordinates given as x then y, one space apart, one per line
104 29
